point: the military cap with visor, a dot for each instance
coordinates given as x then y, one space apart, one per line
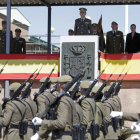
18 30
82 10
3 22
95 25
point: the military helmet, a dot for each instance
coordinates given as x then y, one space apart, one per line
64 79
0 87
14 86
85 84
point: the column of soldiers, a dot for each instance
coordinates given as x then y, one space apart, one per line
114 38
76 113
17 44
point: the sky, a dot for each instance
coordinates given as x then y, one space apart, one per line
63 18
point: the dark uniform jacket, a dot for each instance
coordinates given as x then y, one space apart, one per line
114 43
101 41
83 27
3 41
19 46
132 44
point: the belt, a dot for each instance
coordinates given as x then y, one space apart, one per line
14 126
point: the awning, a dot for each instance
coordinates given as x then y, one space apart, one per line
68 2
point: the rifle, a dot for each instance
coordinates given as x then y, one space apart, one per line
80 74
17 92
54 89
3 67
91 86
111 89
101 88
75 89
44 84
118 85
25 92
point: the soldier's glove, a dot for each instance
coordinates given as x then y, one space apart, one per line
116 114
135 138
36 121
135 128
35 137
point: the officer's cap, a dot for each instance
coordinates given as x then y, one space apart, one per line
17 30
95 89
85 84
106 88
26 86
95 25
52 79
3 22
82 10
0 87
64 79
70 30
114 23
14 86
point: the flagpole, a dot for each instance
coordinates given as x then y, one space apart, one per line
126 20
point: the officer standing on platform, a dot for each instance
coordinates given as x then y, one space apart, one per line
19 43
3 38
101 41
83 25
114 40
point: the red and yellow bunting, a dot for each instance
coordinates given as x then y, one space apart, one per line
131 63
20 66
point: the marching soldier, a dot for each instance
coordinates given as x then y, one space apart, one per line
19 43
114 40
3 38
45 98
12 115
31 110
83 25
109 106
101 41
100 111
88 106
64 119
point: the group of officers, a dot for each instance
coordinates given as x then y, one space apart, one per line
114 38
17 44
63 119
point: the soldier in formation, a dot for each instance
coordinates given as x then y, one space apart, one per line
63 111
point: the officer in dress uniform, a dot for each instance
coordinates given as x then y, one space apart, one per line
3 38
19 43
114 40
83 25
64 119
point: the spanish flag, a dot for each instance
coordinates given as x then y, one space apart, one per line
21 66
121 63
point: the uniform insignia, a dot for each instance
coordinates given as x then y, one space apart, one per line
20 41
62 98
86 22
117 35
